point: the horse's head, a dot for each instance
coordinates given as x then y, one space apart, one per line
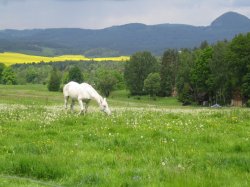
104 106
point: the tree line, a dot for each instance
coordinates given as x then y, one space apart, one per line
209 74
104 76
206 75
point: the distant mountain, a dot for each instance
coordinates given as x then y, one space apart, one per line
231 20
122 40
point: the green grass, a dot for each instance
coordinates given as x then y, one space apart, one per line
28 94
122 97
143 143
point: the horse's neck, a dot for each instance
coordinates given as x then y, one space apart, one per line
98 98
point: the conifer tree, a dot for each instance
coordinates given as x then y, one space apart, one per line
75 74
54 81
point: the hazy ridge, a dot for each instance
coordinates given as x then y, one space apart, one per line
121 40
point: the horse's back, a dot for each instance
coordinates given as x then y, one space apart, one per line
87 86
72 89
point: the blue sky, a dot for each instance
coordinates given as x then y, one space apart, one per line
96 14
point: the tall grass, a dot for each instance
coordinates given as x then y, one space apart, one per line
141 145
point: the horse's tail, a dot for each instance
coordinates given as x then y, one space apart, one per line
66 90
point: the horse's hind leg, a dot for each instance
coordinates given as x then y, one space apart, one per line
72 105
66 99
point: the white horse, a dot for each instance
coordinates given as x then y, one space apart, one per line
83 93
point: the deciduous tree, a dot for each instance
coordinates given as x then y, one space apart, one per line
106 81
9 76
140 65
152 84
2 66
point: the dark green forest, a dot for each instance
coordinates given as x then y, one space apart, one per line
210 74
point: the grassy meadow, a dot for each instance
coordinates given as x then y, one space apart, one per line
143 142
10 58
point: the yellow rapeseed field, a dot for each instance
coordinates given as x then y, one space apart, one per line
10 58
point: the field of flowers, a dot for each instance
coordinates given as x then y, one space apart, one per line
140 144
10 58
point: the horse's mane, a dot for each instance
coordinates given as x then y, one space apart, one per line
92 91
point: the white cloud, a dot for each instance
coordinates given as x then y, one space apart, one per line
103 13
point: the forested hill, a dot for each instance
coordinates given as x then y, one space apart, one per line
122 40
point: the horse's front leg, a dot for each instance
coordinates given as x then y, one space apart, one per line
81 106
86 105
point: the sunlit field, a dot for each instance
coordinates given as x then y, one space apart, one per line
9 58
143 142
